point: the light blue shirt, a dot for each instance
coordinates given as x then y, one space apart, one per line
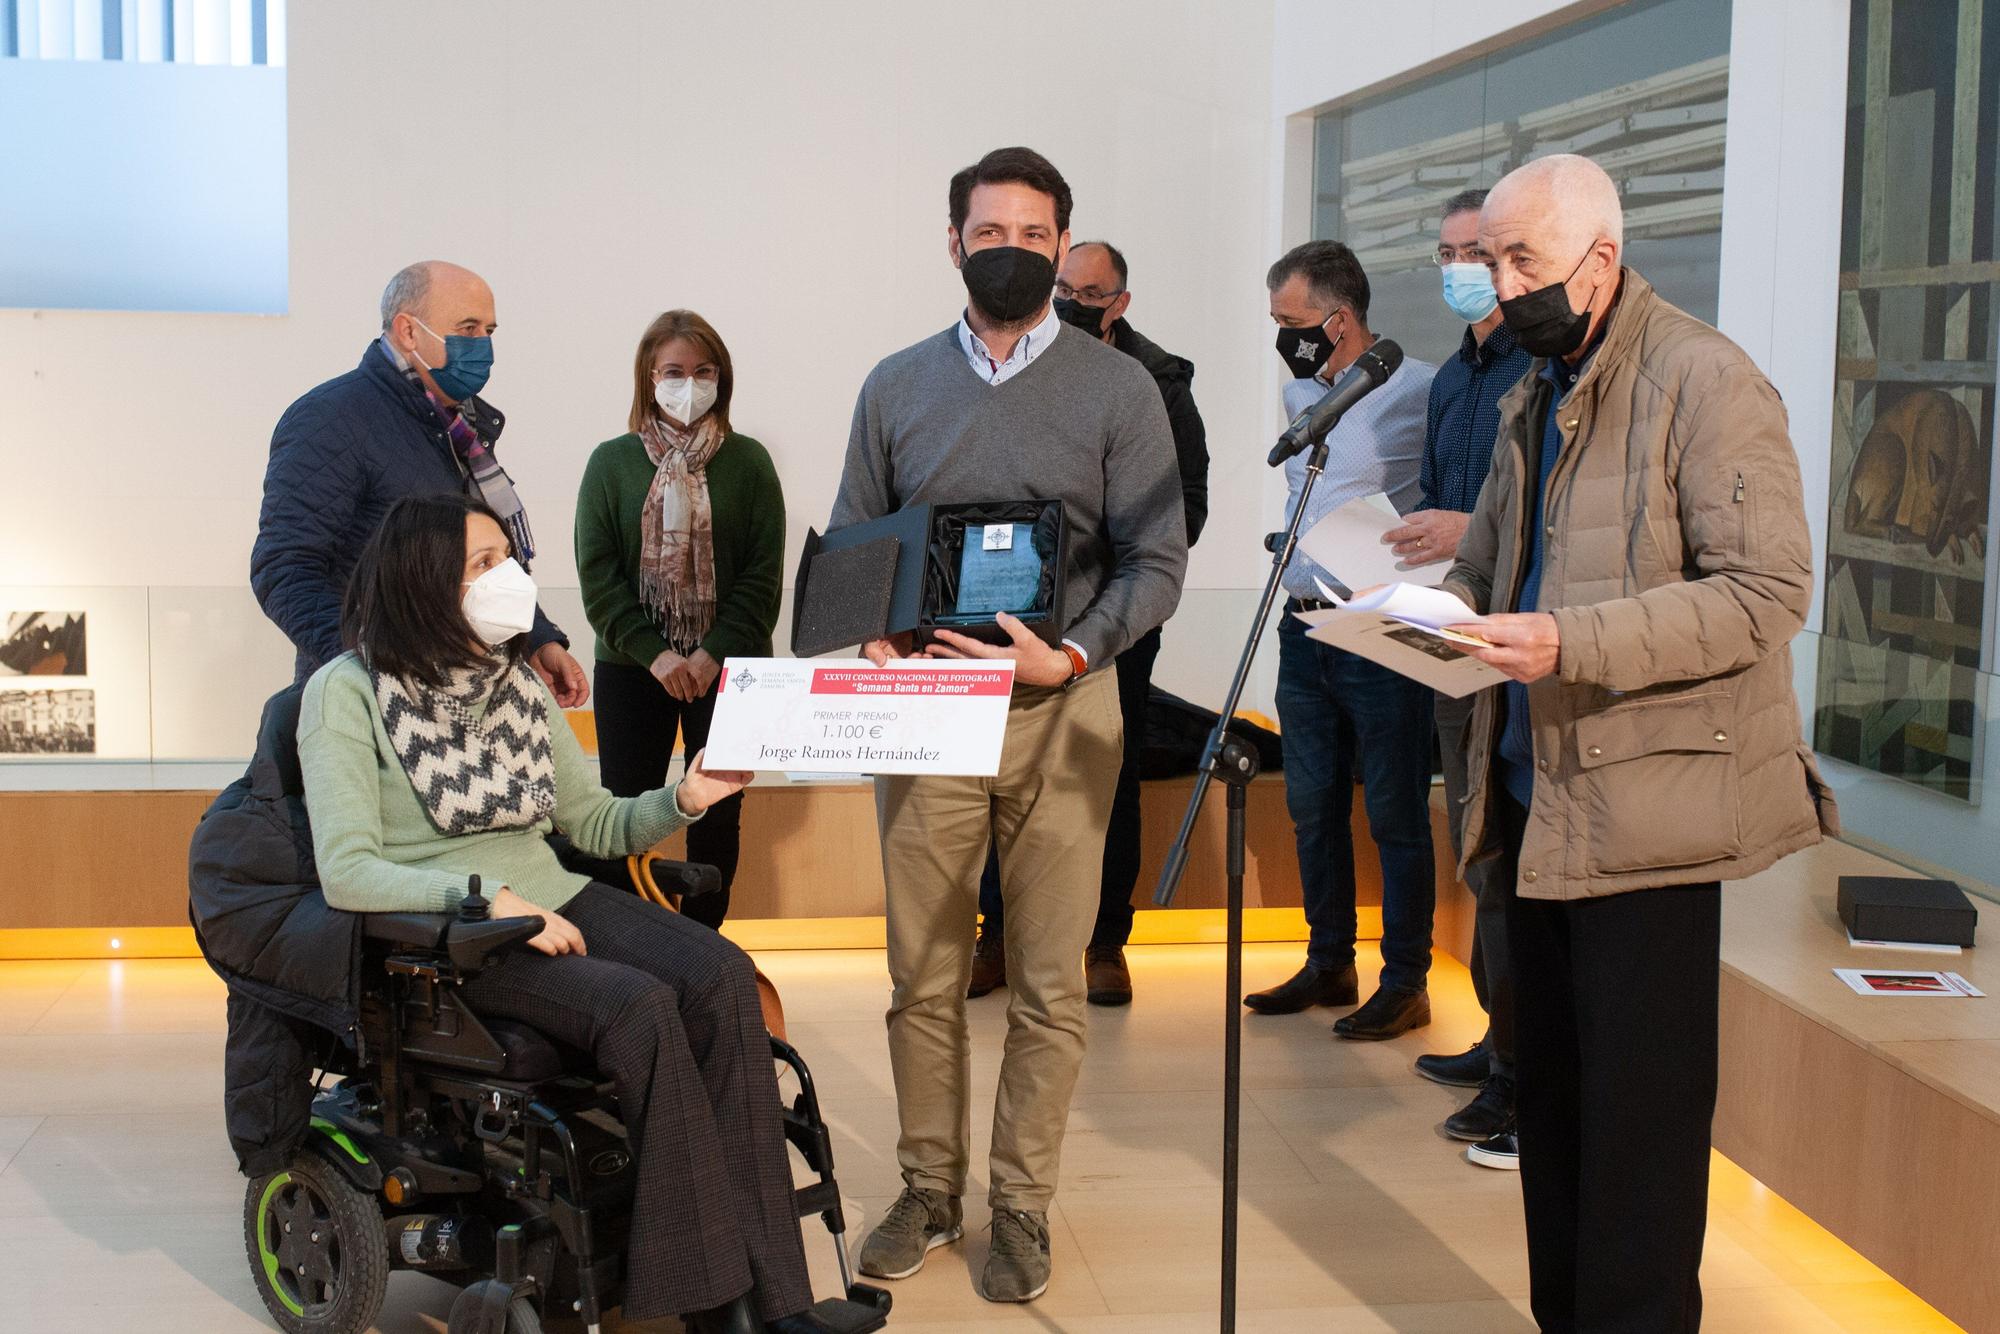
1029 346
1378 446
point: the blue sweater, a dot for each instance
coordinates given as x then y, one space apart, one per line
341 456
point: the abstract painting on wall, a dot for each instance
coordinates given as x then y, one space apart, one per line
43 643
1909 558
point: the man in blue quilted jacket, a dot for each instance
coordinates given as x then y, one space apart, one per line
407 421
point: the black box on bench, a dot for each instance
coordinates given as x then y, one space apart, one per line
1922 912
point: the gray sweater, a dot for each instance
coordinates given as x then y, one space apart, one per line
1082 423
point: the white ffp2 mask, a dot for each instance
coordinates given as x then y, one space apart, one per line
500 603
684 399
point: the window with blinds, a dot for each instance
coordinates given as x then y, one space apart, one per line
145 149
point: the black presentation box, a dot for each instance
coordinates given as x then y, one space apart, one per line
931 567
1922 912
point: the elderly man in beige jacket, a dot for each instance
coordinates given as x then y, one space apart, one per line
1641 560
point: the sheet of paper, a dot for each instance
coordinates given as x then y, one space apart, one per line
1348 542
1432 608
1906 982
848 716
1422 654
1913 946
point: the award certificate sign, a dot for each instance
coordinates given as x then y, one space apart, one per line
846 715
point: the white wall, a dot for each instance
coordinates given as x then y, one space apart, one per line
779 167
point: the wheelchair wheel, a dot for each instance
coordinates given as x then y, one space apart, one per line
318 1251
470 1313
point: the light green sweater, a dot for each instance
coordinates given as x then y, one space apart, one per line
376 846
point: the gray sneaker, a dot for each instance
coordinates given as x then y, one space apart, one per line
1017 1268
917 1223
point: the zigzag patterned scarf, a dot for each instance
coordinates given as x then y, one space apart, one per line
474 772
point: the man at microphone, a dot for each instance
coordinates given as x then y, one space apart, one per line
1336 710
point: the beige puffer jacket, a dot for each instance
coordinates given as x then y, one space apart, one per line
1678 566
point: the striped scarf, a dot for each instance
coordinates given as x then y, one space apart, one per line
474 772
489 480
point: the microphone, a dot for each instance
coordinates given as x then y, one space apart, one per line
1366 375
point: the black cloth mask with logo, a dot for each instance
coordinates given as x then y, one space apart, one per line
1542 321
1008 283
1305 350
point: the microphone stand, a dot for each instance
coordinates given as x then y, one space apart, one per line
1229 759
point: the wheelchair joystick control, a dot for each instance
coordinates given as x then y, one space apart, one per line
474 907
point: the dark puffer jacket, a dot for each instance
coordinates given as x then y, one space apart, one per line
1175 377
291 962
340 457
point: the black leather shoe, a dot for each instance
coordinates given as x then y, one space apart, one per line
1467 1070
1306 988
1486 1115
1389 1013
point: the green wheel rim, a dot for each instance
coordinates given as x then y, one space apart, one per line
298 1244
265 1253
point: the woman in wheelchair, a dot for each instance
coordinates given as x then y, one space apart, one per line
431 752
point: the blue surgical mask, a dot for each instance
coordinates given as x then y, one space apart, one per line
467 363
1468 290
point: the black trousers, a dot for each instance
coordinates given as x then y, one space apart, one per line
636 718
1616 1046
669 1010
1492 978
1122 848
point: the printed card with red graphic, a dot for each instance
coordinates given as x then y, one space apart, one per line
1906 982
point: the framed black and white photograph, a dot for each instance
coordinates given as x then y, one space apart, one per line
48 722
43 643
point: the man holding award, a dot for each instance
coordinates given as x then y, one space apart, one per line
1002 408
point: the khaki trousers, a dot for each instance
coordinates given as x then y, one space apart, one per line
1046 810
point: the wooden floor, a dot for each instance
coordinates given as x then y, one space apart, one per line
120 1205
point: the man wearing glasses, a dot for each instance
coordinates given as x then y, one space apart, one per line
1092 294
1463 421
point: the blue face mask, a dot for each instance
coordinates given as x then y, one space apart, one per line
467 364
1468 290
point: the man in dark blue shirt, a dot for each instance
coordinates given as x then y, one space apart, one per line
1464 419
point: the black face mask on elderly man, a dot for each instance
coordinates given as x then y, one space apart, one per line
1542 321
1007 282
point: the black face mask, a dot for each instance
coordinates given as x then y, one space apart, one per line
1006 282
1305 350
1090 319
1542 322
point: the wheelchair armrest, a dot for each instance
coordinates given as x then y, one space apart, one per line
472 944
687 879
418 930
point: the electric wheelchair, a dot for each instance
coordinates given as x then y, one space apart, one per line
478 1151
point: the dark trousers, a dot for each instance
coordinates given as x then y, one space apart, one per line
1616 1044
1339 712
1492 979
1122 847
669 1010
636 718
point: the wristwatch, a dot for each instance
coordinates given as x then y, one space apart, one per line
1078 664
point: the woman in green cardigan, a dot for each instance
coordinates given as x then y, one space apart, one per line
432 752
680 542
